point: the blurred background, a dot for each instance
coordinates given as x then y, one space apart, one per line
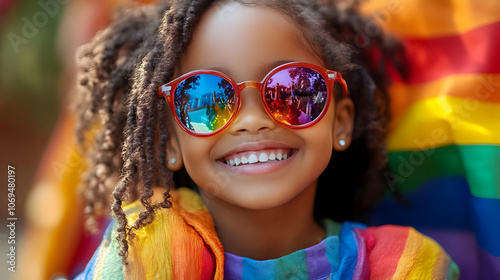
31 95
37 75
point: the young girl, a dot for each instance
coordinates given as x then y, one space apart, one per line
193 94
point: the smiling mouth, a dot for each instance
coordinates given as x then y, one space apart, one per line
258 157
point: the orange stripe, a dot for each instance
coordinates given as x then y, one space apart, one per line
185 241
480 87
413 18
195 215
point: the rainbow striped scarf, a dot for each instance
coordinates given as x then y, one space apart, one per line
182 243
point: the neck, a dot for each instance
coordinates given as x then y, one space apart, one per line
269 233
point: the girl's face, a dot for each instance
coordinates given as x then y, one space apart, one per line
246 42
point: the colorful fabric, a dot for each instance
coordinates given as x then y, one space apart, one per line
182 243
388 252
444 140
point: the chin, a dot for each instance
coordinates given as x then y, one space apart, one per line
260 200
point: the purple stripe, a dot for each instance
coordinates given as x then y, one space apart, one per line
464 255
361 270
490 265
318 265
233 267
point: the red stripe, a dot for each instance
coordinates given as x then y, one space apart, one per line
386 249
473 52
208 267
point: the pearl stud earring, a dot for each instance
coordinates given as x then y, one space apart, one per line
342 142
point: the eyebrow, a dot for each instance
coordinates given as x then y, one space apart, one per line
221 69
264 69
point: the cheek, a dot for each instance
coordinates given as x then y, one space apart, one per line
321 137
197 158
194 149
321 147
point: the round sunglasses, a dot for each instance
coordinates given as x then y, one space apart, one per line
295 95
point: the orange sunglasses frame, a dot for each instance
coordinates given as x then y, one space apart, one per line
329 76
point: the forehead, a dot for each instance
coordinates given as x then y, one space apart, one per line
233 34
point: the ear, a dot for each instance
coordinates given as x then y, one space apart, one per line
344 122
174 153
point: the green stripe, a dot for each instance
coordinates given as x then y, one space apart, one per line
112 262
283 269
453 271
479 164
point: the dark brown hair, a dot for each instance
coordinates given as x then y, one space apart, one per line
117 104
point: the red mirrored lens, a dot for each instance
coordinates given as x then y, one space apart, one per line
296 96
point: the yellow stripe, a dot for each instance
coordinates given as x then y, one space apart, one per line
441 266
406 261
144 247
428 19
418 258
442 121
481 87
426 260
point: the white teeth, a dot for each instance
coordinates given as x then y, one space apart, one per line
272 156
244 160
252 159
263 157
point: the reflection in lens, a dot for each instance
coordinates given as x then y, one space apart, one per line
204 103
296 96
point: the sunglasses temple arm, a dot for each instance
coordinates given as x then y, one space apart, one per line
338 78
345 91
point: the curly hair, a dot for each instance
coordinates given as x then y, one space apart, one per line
117 105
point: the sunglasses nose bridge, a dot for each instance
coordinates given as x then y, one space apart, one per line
246 84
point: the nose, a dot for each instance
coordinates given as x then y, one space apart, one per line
252 117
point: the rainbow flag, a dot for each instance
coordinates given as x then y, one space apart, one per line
444 152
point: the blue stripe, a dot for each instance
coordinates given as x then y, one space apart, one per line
333 255
486 218
443 202
250 268
348 251
89 271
